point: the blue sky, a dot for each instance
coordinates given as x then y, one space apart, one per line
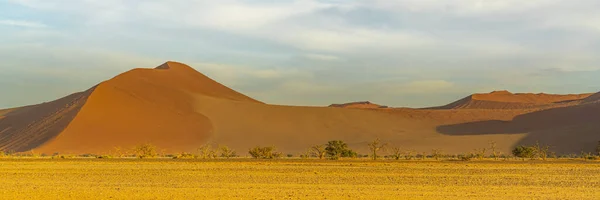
410 53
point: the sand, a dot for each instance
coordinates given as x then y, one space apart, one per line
507 100
179 109
360 104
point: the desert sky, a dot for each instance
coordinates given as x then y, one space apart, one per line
408 53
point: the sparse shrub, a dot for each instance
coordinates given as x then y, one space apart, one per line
409 155
319 151
99 157
495 153
541 151
290 155
226 152
396 153
145 151
375 147
184 155
467 157
524 152
337 149
306 154
436 153
480 153
206 152
264 152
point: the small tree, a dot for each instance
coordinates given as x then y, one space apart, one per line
524 152
319 151
436 153
541 151
375 147
145 151
226 152
480 153
206 152
495 154
337 149
396 153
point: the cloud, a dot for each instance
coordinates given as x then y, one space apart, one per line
22 23
322 57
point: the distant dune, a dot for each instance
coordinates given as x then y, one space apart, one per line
179 109
360 104
506 100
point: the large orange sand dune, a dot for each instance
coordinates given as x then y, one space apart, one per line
178 109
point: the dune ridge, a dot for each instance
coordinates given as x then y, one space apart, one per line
507 100
358 104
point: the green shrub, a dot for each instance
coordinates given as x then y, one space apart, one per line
226 152
524 152
145 151
264 152
337 149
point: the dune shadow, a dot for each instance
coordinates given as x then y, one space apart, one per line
26 128
567 129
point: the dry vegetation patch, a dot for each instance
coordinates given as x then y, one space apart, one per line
295 179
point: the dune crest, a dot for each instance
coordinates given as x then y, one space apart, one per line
359 104
506 100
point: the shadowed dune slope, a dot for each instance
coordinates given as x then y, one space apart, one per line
507 100
567 129
595 98
25 128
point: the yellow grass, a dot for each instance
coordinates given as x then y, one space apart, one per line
295 179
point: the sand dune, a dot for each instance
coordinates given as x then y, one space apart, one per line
507 100
178 109
360 104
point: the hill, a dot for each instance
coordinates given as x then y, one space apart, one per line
179 109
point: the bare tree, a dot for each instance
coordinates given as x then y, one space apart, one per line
206 152
319 151
396 153
493 149
375 147
436 153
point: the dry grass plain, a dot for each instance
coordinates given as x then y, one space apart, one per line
296 179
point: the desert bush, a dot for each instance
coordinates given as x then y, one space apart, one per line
375 147
480 153
226 152
409 155
145 151
184 155
524 152
396 153
98 156
495 154
319 151
337 149
466 157
206 152
264 152
436 153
